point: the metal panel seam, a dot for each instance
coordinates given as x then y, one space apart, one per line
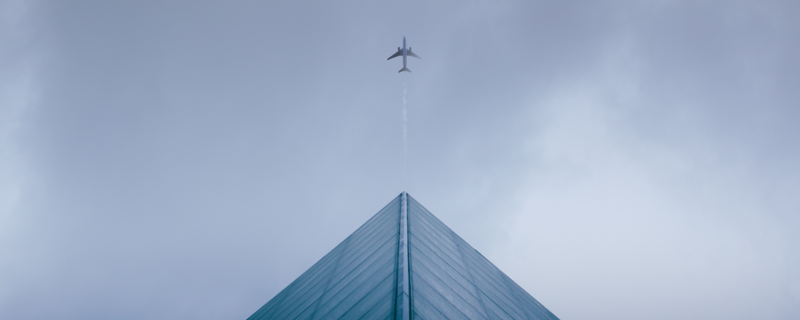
403 297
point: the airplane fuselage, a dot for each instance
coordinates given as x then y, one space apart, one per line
405 53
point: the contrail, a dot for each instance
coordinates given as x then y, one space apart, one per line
405 135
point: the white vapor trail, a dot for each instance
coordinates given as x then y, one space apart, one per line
405 135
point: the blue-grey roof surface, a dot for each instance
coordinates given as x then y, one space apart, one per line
359 278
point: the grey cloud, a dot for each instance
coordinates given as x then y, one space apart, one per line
619 160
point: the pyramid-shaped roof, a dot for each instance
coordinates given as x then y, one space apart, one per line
403 263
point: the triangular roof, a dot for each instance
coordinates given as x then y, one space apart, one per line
403 263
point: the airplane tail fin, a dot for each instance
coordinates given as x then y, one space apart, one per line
404 69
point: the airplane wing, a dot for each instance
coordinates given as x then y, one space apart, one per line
412 54
399 53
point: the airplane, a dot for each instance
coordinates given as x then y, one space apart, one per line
403 52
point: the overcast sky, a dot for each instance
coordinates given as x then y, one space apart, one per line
188 160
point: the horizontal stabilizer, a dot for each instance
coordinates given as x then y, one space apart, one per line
404 69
